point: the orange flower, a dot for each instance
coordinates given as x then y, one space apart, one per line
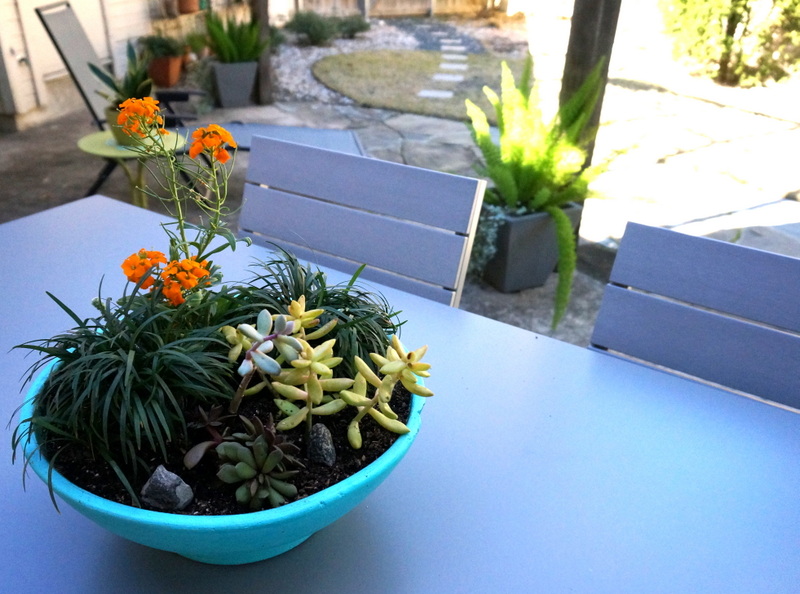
137 265
136 116
212 139
182 275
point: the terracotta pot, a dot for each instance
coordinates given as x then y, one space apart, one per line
165 71
188 6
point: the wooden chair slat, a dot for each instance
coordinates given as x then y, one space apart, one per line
376 275
411 193
413 227
727 351
404 247
717 311
738 280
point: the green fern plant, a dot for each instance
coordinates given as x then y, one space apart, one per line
537 166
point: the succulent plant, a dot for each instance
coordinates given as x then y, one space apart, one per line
259 460
307 381
311 367
398 365
212 421
256 342
306 385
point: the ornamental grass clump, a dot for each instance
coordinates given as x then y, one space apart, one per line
184 371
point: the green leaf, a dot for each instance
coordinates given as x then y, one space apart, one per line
567 260
228 474
245 471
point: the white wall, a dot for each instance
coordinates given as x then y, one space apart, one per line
126 19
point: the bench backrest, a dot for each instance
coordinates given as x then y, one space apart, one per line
718 311
412 227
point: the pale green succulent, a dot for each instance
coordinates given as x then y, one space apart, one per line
258 459
256 342
398 365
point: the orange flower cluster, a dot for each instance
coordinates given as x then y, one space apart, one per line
182 275
137 115
212 139
178 276
137 265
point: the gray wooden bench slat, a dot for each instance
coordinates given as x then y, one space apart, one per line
731 352
345 231
383 277
413 227
738 280
717 311
411 193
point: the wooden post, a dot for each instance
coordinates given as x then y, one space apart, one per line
594 25
264 91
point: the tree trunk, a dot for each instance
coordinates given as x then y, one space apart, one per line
591 37
739 12
264 90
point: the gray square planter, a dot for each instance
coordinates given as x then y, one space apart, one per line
527 251
235 82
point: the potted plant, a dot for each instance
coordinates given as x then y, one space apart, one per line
237 48
164 57
188 6
135 83
237 395
539 182
198 44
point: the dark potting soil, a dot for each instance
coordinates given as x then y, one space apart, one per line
212 496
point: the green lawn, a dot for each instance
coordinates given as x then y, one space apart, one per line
391 79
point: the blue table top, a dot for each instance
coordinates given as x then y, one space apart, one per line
540 466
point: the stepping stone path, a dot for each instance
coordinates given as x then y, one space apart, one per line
454 46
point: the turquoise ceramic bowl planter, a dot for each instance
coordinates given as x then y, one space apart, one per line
232 539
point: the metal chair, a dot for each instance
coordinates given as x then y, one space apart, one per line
75 49
714 310
412 227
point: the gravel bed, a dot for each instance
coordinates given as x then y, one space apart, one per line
292 64
430 33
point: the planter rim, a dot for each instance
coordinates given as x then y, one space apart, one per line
539 213
284 513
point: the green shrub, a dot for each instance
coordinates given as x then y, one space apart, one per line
738 42
276 38
315 28
160 46
352 25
